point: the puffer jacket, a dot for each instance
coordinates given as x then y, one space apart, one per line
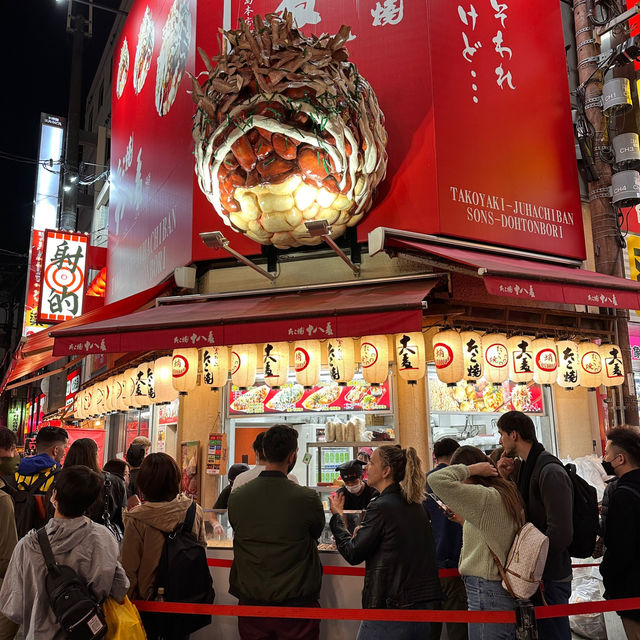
396 542
144 529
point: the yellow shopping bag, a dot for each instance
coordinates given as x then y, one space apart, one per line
123 621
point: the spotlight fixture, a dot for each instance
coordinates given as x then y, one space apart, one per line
216 240
322 229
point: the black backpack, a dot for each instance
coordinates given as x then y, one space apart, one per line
27 512
76 610
585 514
184 575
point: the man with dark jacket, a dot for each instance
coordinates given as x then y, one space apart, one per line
620 566
37 473
547 492
447 535
276 526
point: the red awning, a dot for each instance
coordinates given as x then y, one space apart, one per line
37 350
321 313
534 280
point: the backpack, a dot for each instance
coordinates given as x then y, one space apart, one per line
586 522
32 509
184 575
522 572
76 610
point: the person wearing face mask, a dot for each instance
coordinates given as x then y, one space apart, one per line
620 566
36 475
276 526
357 493
9 459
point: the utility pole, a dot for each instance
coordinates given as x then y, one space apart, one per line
607 240
69 216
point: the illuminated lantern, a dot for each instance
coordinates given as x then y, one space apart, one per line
612 365
215 366
341 359
151 387
447 356
410 356
589 365
163 381
374 357
184 370
275 363
472 355
103 397
121 401
520 359
545 361
95 401
496 358
77 406
306 361
114 391
567 364
244 359
140 391
130 387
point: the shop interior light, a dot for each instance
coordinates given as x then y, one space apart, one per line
216 240
67 187
321 228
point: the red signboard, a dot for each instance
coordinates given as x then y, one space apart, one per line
477 150
73 386
63 276
31 324
294 398
152 165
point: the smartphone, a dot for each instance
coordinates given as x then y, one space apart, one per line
439 502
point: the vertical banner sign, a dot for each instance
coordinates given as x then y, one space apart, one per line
34 281
73 386
633 254
151 146
63 276
45 213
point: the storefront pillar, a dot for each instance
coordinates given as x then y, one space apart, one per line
200 414
412 427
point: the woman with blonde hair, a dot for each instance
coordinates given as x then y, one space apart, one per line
396 542
493 512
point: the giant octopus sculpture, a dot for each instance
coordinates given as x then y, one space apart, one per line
287 131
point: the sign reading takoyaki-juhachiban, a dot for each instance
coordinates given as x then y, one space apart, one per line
357 395
422 115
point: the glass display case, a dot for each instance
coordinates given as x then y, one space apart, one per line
469 411
219 533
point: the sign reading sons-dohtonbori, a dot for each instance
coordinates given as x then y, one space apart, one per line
64 272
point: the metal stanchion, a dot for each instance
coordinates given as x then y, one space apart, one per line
526 628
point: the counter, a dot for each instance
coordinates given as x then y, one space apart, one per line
337 592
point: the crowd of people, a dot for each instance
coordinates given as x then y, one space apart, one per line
113 525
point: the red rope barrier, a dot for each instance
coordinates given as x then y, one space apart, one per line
400 615
330 570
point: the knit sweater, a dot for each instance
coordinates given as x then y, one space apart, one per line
486 520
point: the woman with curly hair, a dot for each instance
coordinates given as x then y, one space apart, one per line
493 512
396 542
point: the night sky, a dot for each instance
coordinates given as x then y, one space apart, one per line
36 59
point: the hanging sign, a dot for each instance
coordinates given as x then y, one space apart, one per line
217 454
73 386
63 276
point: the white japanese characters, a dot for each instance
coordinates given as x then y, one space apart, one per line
390 12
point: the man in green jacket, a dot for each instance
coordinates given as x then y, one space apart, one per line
276 526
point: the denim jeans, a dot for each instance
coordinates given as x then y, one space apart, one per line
489 595
555 592
387 630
